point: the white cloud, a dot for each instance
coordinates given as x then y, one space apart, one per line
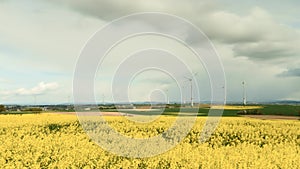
3 80
40 89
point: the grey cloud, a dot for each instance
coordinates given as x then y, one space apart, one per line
116 8
290 73
266 50
218 24
255 35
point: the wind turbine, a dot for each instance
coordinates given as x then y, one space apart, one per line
34 99
191 82
244 93
69 102
103 97
183 95
168 100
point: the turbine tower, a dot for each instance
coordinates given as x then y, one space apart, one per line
183 95
103 97
191 82
34 99
244 93
167 97
69 102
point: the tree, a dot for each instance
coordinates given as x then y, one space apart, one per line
2 108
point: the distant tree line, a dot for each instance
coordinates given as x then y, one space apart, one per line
2 108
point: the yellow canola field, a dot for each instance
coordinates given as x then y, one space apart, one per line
229 107
58 141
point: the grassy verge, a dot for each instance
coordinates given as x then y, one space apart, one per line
20 112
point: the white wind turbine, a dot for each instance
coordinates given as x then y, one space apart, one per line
190 79
244 93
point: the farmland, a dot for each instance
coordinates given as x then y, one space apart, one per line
230 110
49 140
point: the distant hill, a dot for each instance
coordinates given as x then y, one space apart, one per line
287 102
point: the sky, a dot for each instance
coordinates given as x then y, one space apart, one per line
40 42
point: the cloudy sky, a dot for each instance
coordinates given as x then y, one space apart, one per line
40 41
